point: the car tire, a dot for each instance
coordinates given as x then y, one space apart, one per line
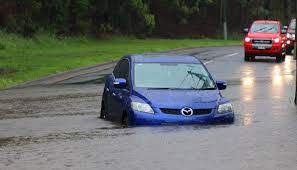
289 51
125 120
252 58
103 111
246 57
284 57
279 58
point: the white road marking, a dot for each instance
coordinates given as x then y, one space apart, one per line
207 62
229 55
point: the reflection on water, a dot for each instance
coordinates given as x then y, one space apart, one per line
247 119
288 66
248 82
277 79
281 75
277 88
244 118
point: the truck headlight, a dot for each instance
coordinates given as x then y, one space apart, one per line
277 40
142 107
247 39
225 108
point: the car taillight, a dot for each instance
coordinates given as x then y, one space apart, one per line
247 39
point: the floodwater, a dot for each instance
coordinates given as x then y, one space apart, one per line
57 126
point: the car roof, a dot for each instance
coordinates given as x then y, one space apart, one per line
164 58
267 21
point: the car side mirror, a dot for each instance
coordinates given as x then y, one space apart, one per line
246 30
222 85
120 83
283 31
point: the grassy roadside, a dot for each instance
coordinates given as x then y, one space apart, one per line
28 59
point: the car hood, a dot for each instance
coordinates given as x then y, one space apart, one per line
180 98
263 35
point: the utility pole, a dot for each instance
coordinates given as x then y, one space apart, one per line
225 19
295 50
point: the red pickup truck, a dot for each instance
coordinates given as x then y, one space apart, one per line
265 38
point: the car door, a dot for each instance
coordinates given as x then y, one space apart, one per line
120 96
111 90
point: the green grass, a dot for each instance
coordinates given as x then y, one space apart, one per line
28 59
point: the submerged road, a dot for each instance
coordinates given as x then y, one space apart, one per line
52 123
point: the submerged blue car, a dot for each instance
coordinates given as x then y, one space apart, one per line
157 89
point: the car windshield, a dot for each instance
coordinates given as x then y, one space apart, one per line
293 24
265 27
172 76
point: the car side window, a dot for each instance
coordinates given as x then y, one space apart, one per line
122 71
116 71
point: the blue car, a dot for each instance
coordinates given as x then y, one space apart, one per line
164 89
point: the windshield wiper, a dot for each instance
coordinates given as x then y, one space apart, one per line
268 29
207 88
158 88
165 88
260 29
192 88
200 76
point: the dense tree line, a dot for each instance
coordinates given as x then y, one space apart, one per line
170 18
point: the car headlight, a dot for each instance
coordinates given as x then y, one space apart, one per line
142 107
225 108
247 39
276 40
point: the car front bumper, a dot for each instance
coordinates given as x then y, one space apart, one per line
140 118
273 51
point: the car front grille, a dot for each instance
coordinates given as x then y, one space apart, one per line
261 41
178 111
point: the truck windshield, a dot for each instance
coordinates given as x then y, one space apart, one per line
172 76
265 27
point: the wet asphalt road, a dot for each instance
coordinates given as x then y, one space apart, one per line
54 124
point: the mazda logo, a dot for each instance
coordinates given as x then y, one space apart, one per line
187 111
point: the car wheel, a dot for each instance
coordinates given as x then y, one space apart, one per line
246 57
284 57
125 120
252 58
279 58
289 51
103 111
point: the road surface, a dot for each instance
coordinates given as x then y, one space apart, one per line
53 123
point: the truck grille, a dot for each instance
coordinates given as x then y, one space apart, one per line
261 41
178 111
